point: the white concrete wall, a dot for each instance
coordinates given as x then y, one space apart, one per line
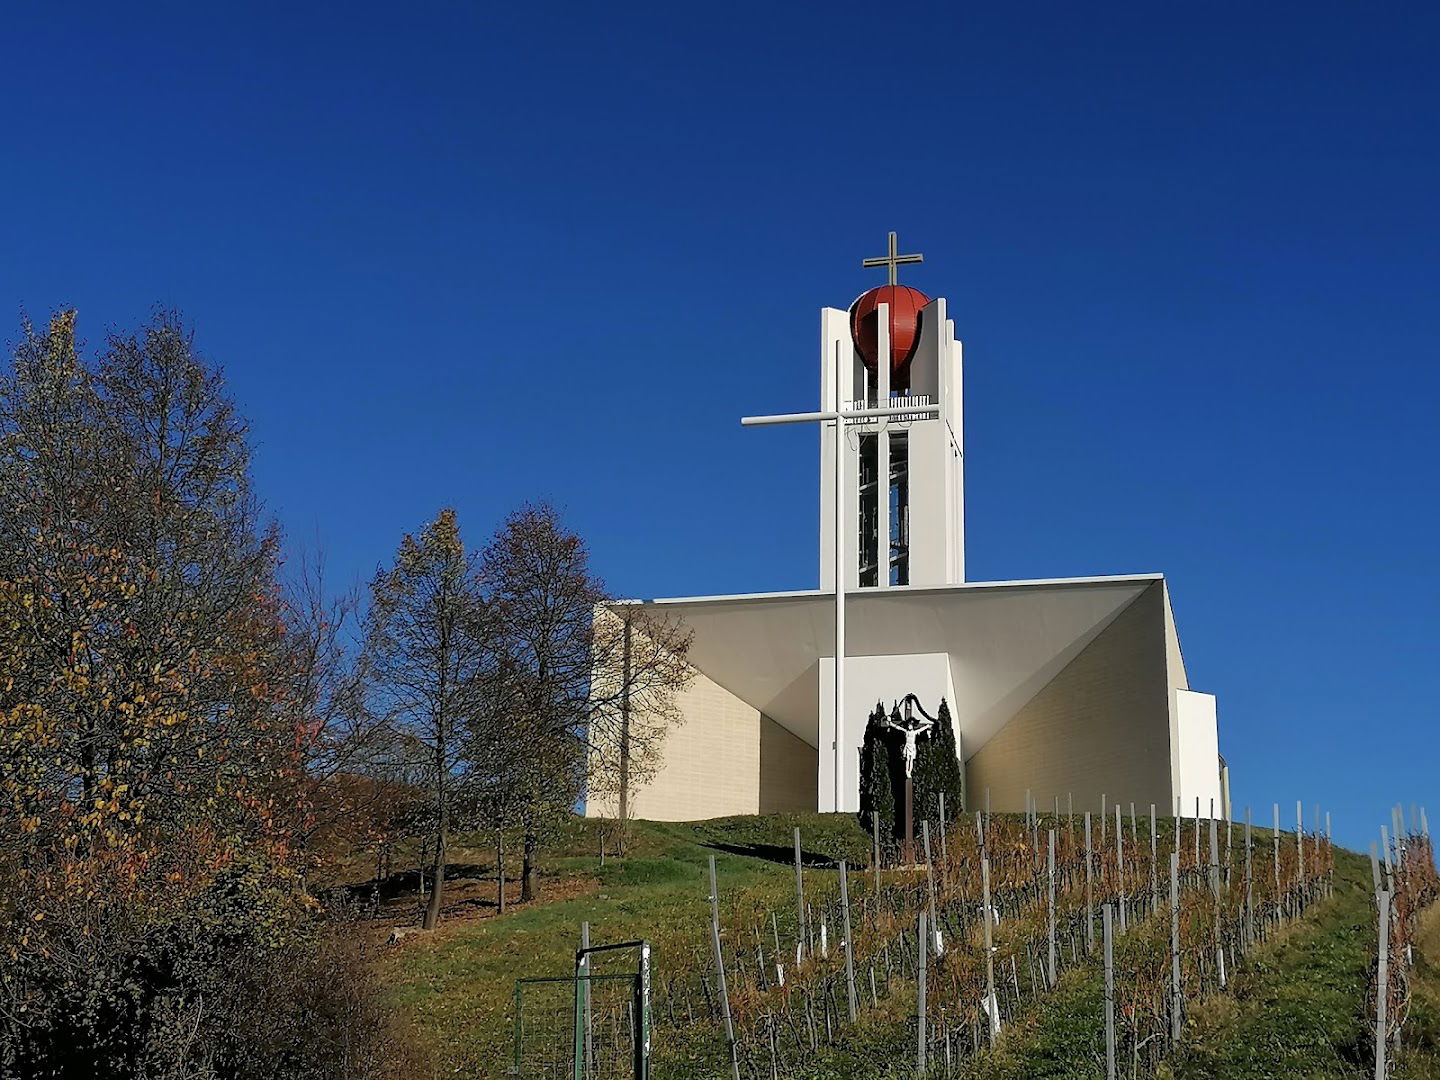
1101 726
1196 752
869 679
937 498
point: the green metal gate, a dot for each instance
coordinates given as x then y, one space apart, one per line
585 1026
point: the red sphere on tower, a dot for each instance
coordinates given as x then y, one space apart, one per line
905 304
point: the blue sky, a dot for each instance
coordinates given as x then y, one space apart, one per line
472 254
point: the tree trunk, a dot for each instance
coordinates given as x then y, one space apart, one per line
527 868
624 801
500 870
442 821
437 883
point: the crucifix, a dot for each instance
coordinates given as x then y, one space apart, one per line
912 732
841 418
892 260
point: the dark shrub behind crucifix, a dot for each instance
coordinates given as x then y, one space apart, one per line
905 766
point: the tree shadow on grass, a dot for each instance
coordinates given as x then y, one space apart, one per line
775 853
405 882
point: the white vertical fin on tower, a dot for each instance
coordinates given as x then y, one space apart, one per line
953 412
882 446
836 349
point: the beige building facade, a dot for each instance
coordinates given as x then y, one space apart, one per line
725 757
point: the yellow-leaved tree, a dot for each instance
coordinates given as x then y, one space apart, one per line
153 915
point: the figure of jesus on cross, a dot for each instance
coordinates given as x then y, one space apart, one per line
911 734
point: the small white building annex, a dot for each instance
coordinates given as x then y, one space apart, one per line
1071 688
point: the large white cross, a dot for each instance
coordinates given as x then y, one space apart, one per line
842 418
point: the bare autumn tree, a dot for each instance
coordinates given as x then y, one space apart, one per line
567 683
640 667
341 741
424 648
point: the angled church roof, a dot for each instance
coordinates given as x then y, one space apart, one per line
1005 640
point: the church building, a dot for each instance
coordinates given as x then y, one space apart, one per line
1071 688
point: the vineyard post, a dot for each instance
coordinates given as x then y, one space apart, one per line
1120 866
1089 891
760 958
1175 836
720 969
1330 851
1400 841
1197 832
875 851
1176 1001
1229 846
1051 862
930 881
944 847
585 992
1375 870
1215 889
1249 887
920 1000
1382 985
1424 824
1034 827
799 897
990 999
849 950
1389 866
1275 843
1154 861
1214 863
1105 914
1300 842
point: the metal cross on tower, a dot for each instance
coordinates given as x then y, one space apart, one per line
892 260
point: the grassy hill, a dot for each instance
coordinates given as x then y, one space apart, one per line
1296 1006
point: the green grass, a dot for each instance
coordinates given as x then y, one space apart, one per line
1296 1007
457 985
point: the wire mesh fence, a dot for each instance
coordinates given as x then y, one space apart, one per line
590 1019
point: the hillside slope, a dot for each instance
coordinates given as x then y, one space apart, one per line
1296 1007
